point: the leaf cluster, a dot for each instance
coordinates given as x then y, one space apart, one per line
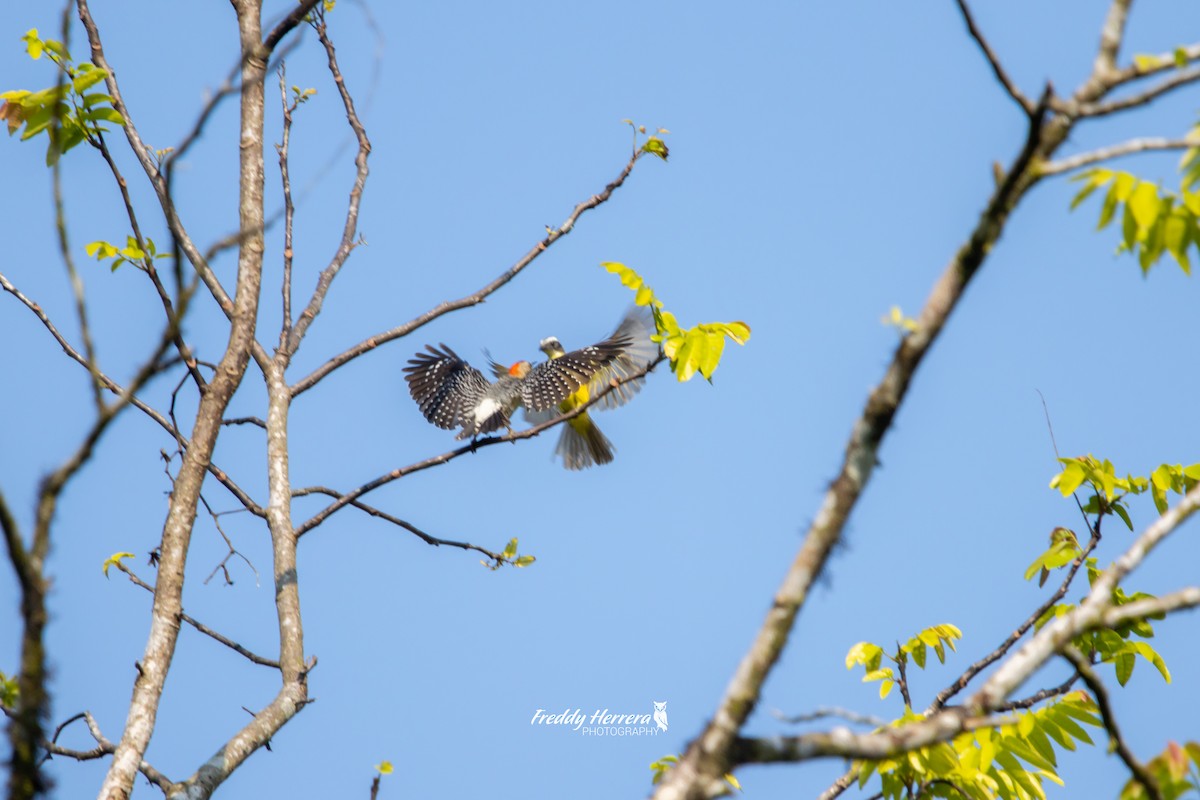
1153 220
131 253
870 656
509 556
690 350
1114 645
68 113
1009 761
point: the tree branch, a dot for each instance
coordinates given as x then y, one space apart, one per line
1027 105
181 515
349 230
824 712
1115 151
1140 773
1180 78
200 626
408 526
552 236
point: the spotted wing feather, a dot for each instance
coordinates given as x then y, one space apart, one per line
445 387
553 381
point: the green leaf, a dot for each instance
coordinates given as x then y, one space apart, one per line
105 114
1124 662
510 549
384 768
1120 511
1150 654
33 43
87 76
524 561
1180 56
1143 202
865 653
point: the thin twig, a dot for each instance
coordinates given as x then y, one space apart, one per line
1180 78
408 526
1024 102
1140 773
1115 151
1039 696
824 712
350 228
200 626
446 307
970 672
289 210
103 748
116 388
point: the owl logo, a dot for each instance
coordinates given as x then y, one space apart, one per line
660 715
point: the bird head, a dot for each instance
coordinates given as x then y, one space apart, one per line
552 347
519 369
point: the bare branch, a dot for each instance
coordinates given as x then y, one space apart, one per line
103 747
1024 102
349 230
288 23
1039 696
1177 79
289 210
1163 62
552 236
348 498
181 514
824 712
1117 742
408 526
1116 151
200 626
1111 36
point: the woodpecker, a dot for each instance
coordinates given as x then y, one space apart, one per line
453 394
581 444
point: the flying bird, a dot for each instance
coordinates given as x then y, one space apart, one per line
581 444
451 394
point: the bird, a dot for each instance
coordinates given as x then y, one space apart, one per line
581 444
452 394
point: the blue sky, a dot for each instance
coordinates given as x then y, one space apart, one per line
827 159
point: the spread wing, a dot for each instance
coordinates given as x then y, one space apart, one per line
637 326
445 387
553 381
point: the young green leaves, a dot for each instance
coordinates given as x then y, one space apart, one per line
1009 761
691 350
1111 490
68 113
870 656
1153 220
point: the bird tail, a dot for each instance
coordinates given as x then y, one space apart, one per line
581 444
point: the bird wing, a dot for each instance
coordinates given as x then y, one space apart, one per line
553 381
637 326
445 387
